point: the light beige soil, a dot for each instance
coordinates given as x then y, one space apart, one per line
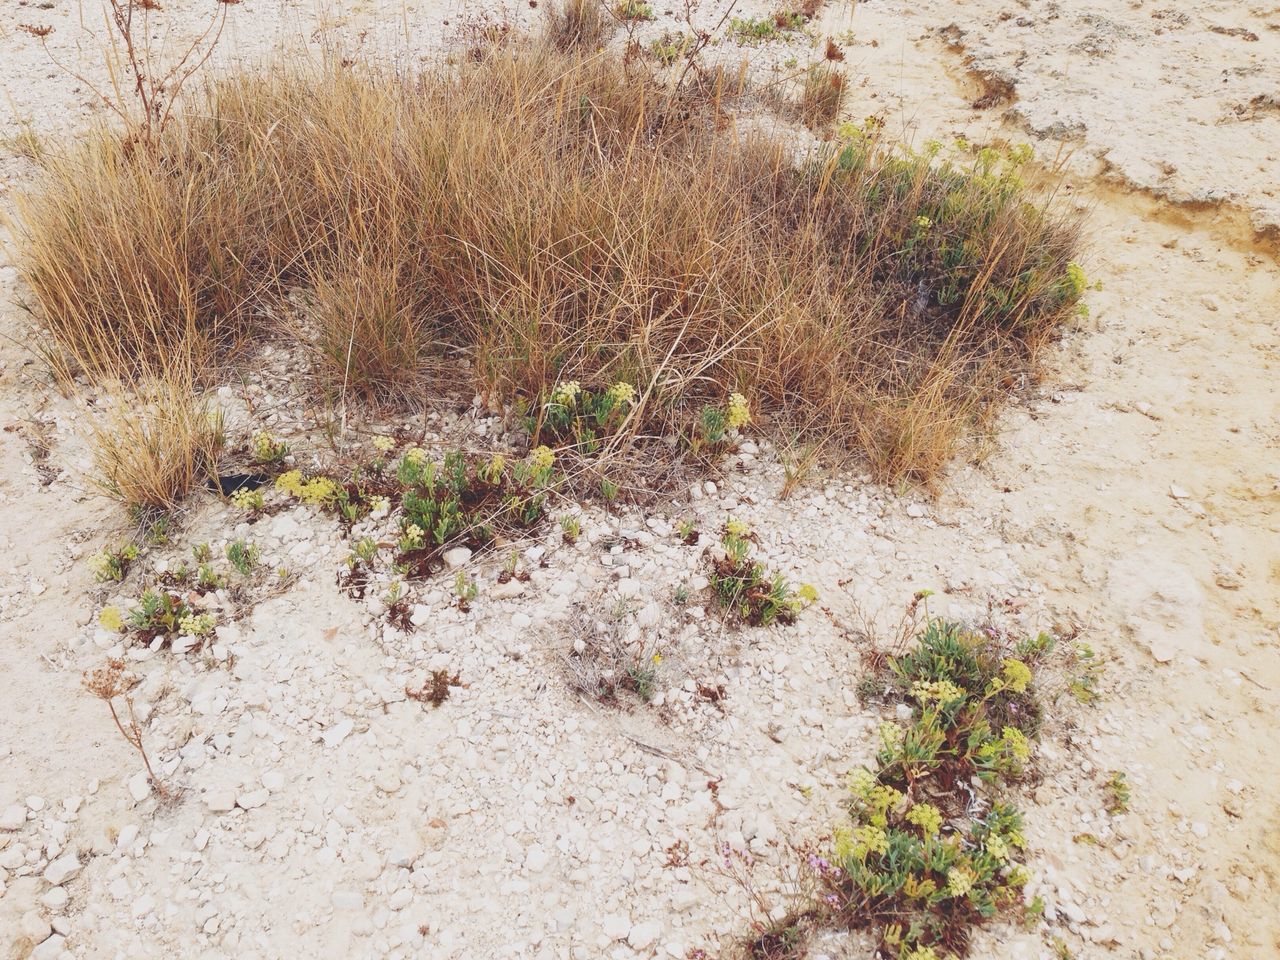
1134 494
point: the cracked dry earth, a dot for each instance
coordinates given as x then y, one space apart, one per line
1132 496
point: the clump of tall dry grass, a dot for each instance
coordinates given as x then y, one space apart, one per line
553 216
578 24
154 442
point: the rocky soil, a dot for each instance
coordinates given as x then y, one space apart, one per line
1132 498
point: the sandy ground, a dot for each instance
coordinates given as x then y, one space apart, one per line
1135 495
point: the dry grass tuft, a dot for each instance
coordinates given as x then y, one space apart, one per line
558 215
579 24
155 444
822 97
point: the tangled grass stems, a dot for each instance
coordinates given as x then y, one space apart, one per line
557 215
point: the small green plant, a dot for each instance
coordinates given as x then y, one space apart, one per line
465 591
609 490
743 587
202 552
581 418
670 48
267 450
570 529
243 556
1116 791
632 10
158 529
687 531
207 578
753 30
461 501
1086 671
159 613
718 425
112 564
642 679
918 862
681 595
251 501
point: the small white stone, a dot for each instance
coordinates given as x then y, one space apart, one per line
13 817
139 787
643 935
63 869
616 926
337 733
220 800
457 556
347 900
253 799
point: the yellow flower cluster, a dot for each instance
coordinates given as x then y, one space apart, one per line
891 735
247 499
736 528
861 782
959 881
316 491
541 458
919 888
997 848
1016 675
566 393
265 446
622 393
413 535
922 953
1017 742
870 839
111 620
943 691
383 444
290 482
924 223
739 414
197 624
807 592
1019 876
927 817
379 505
416 456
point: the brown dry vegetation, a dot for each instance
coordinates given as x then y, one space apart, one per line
549 215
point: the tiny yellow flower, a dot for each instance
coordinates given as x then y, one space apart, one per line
1016 675
622 393
870 839
416 456
997 848
110 619
657 659
862 781
924 223
318 491
566 393
196 624
541 458
737 528
807 592
959 881
383 444
290 482
943 691
739 414
927 817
